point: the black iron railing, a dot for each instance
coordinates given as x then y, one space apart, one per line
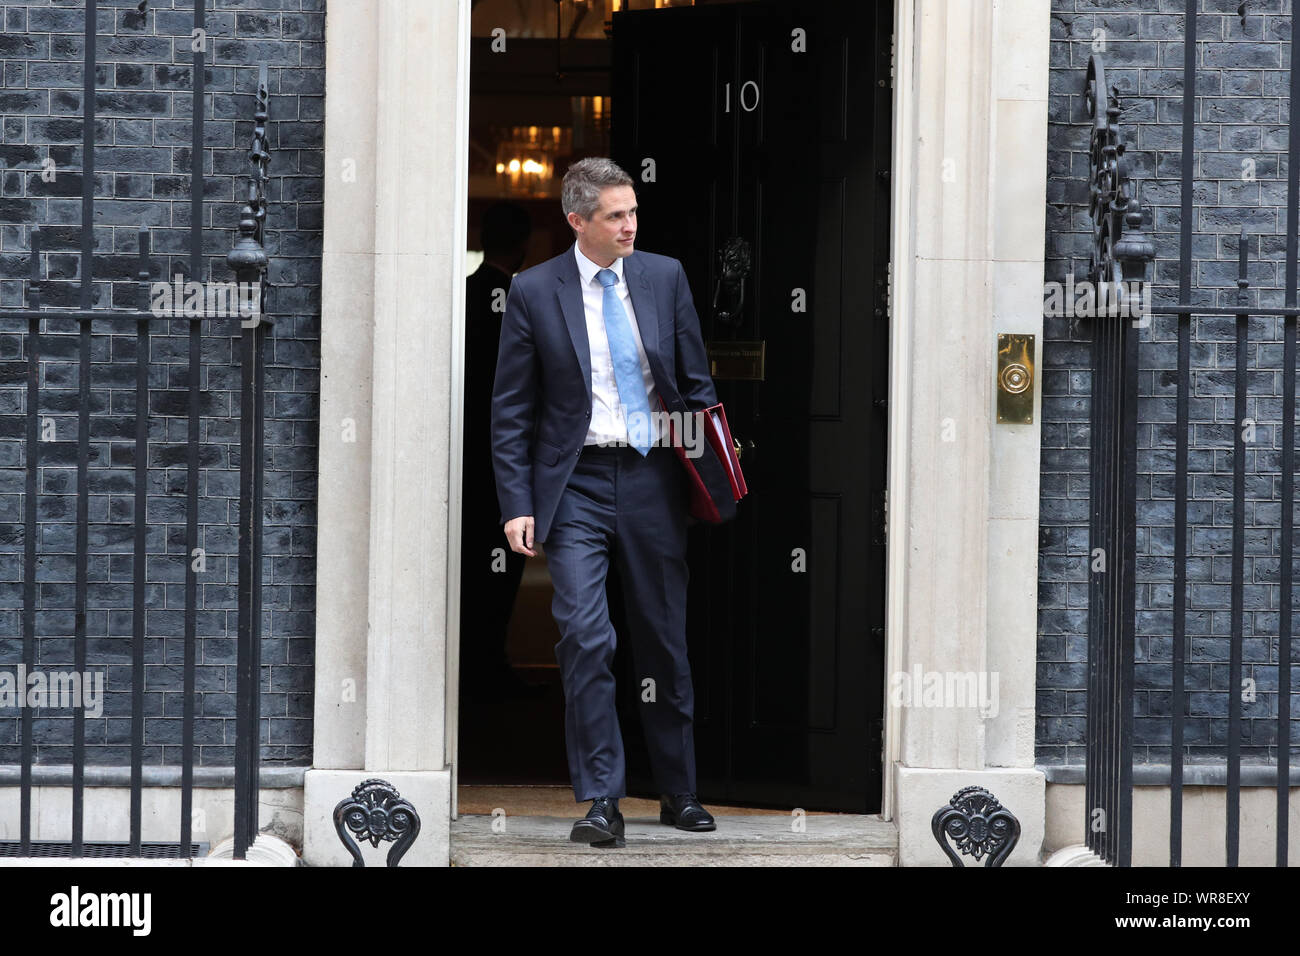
1121 249
248 261
1119 255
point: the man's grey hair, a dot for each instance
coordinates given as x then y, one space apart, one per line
583 182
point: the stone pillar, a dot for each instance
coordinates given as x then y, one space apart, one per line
396 126
970 151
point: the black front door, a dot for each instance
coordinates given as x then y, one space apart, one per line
768 123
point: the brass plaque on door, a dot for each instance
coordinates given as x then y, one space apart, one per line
1015 379
738 360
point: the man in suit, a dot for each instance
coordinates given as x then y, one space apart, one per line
593 344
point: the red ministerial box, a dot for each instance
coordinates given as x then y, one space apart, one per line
716 480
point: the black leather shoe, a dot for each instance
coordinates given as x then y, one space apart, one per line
684 812
602 826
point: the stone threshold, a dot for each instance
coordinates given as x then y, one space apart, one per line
266 850
740 840
1196 773
270 776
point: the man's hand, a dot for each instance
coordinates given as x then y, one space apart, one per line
519 532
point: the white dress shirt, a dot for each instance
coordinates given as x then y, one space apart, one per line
608 424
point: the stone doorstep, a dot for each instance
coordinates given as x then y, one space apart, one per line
740 840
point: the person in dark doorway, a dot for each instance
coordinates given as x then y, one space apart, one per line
592 341
489 573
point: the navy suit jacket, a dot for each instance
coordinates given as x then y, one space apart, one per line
541 400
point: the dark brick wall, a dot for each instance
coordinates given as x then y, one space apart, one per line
1242 113
142 163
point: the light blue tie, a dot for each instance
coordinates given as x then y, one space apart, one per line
627 365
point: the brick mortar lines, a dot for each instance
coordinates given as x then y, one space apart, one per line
1242 113
142 175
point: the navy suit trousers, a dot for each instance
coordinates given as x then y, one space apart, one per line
622 507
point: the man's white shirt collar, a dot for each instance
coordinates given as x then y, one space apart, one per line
588 269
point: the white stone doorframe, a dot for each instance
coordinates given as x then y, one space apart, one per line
968 215
969 175
396 189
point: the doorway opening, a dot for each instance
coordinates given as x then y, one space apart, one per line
757 133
